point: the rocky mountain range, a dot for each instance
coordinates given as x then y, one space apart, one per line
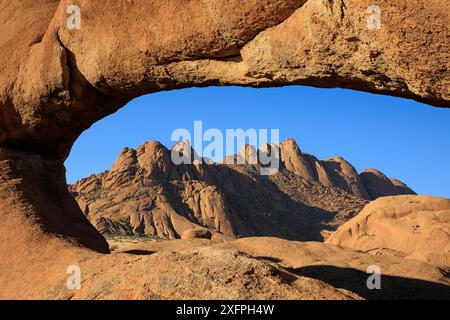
144 193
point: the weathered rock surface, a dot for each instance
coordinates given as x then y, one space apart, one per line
199 273
56 82
146 194
344 268
250 268
196 234
416 227
334 172
378 185
36 207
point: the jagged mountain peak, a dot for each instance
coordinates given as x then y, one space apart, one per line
146 193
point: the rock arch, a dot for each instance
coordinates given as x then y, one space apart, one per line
57 82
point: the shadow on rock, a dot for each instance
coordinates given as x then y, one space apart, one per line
391 287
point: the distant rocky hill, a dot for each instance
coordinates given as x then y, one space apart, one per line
144 193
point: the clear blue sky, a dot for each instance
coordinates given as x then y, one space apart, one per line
402 138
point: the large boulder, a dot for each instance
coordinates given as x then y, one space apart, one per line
410 226
196 234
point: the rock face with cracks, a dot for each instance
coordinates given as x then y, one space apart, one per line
144 193
55 82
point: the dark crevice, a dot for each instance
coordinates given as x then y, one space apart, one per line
38 40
